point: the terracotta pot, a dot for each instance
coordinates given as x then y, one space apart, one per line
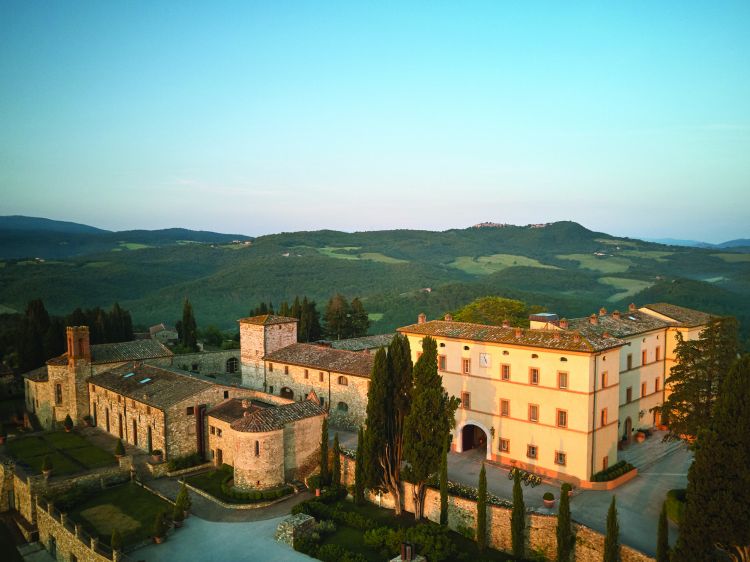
549 503
158 540
156 459
317 492
640 437
2 439
570 493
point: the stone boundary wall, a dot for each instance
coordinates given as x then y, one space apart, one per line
191 469
209 362
462 515
238 506
154 491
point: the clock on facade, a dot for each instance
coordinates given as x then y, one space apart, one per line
484 359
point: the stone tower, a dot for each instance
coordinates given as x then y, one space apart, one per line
260 335
67 381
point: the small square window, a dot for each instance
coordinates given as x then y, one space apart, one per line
643 389
320 376
605 380
603 417
212 430
190 410
560 458
286 369
629 394
531 451
505 445
307 374
466 400
218 432
562 418
226 394
270 367
657 381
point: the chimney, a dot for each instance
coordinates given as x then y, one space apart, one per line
593 319
506 323
519 332
616 315
556 335
564 323
245 403
576 337
602 311
79 349
631 307
246 414
606 335
422 318
449 317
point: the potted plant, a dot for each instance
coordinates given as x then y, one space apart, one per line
160 527
157 456
640 437
178 515
47 466
68 424
116 540
119 449
3 433
88 420
549 499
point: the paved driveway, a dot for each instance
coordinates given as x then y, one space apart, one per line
209 541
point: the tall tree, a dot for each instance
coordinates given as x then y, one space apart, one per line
30 342
495 310
387 406
662 536
518 519
359 464
336 465
482 511
338 318
564 534
717 508
612 539
324 474
426 427
309 322
296 309
284 309
360 321
697 376
444 483
189 327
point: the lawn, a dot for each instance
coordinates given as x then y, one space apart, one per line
627 287
605 264
69 452
375 316
333 252
382 258
133 246
210 481
128 508
484 265
647 254
733 258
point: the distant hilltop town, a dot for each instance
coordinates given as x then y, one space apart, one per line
505 224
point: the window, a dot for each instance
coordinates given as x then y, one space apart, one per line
212 430
93 388
119 398
658 353
629 395
307 374
466 400
322 401
603 417
466 366
604 379
644 357
257 448
233 365
270 390
605 462
442 362
286 369
58 394
226 394
533 413
320 376
342 407
643 389
505 445
505 372
562 418
562 380
533 375
560 458
196 367
531 451
190 410
630 361
656 384
218 432
270 367
505 408
343 381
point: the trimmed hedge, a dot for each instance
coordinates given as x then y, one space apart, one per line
179 463
254 495
676 504
612 472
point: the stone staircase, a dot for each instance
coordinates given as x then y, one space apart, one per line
644 455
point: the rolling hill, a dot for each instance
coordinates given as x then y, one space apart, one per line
399 273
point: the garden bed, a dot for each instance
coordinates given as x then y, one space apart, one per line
68 452
217 483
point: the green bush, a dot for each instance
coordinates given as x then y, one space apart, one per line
68 423
119 448
178 513
186 461
548 496
612 472
160 524
676 504
432 541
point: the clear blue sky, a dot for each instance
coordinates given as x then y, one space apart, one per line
630 117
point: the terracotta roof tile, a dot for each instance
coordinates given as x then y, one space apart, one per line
232 409
324 358
271 419
687 317
267 320
628 324
37 375
136 350
545 339
362 344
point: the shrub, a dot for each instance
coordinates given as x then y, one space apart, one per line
548 496
676 504
314 481
68 423
186 461
160 524
157 452
116 541
88 419
325 527
47 463
183 498
178 513
432 541
612 472
119 448
467 532
377 538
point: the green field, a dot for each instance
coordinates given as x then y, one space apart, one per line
485 265
68 452
617 242
733 258
133 246
627 287
382 258
604 264
647 254
333 252
375 316
97 264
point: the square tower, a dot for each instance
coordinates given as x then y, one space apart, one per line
260 335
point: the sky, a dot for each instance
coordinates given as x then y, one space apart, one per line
632 118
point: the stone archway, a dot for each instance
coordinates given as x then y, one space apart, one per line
287 392
473 435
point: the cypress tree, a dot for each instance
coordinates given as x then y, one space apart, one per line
360 321
189 327
482 511
717 506
324 476
444 484
612 540
662 537
336 468
518 519
359 475
337 318
564 534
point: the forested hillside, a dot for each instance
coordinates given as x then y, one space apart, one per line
562 266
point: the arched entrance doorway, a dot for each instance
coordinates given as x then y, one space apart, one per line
287 392
628 429
473 437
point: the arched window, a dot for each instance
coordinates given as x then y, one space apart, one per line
233 365
257 448
287 392
342 407
343 381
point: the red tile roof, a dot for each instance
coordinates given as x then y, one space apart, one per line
356 363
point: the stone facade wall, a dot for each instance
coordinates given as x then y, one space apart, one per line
264 470
301 447
255 342
294 527
221 437
6 483
68 537
206 362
